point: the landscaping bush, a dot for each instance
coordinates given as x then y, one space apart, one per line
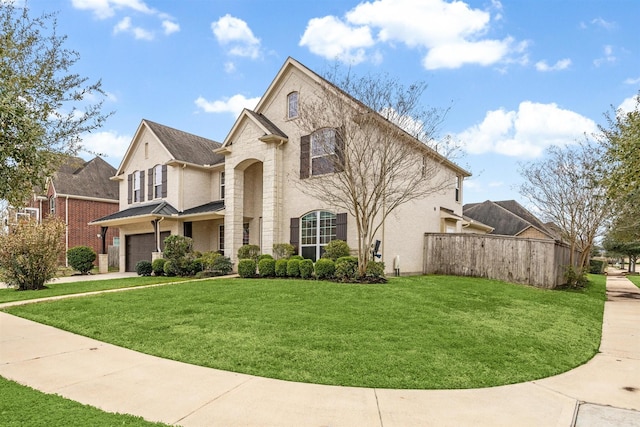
247 268
267 267
179 250
298 257
222 265
283 250
29 254
325 269
81 258
249 252
597 266
336 249
158 266
575 277
375 272
293 267
170 268
281 267
144 268
306 268
346 268
264 256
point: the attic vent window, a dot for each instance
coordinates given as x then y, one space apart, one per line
292 105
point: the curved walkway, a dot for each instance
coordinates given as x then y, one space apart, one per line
605 391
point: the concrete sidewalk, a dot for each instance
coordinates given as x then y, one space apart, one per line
603 392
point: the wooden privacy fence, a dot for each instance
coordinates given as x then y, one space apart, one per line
535 262
114 256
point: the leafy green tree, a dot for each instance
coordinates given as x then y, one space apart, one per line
29 253
621 141
44 107
81 258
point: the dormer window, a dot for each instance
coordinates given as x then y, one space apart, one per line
292 105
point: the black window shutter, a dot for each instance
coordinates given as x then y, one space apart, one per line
339 149
142 186
341 226
129 188
150 185
294 228
305 156
164 181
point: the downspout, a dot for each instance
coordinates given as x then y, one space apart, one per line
66 231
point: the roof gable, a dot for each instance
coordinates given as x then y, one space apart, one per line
86 179
507 217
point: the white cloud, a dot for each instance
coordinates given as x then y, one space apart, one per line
608 57
103 9
632 81
236 35
527 132
452 33
629 104
331 38
233 105
170 27
108 145
599 22
562 64
125 26
229 67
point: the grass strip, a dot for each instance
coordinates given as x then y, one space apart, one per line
634 279
429 332
68 288
24 406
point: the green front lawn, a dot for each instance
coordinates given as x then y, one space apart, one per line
56 289
24 406
634 279
430 332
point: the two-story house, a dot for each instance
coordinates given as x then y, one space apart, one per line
246 190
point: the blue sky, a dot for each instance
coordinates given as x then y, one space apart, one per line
518 75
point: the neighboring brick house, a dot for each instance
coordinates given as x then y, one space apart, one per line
247 190
77 193
510 218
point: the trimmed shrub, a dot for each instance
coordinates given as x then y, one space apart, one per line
375 270
264 256
267 267
281 267
247 268
144 268
170 268
298 257
249 252
325 269
293 268
81 258
221 265
596 266
179 250
306 269
283 250
346 268
158 266
336 249
575 277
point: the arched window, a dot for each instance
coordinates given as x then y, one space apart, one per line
292 105
317 229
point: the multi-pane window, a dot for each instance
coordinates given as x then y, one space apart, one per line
157 181
221 239
221 185
137 193
292 105
245 233
458 187
317 229
323 149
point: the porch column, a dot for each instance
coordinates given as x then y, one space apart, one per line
234 212
270 191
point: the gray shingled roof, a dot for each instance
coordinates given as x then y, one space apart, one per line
186 146
87 179
507 217
268 124
159 208
207 207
